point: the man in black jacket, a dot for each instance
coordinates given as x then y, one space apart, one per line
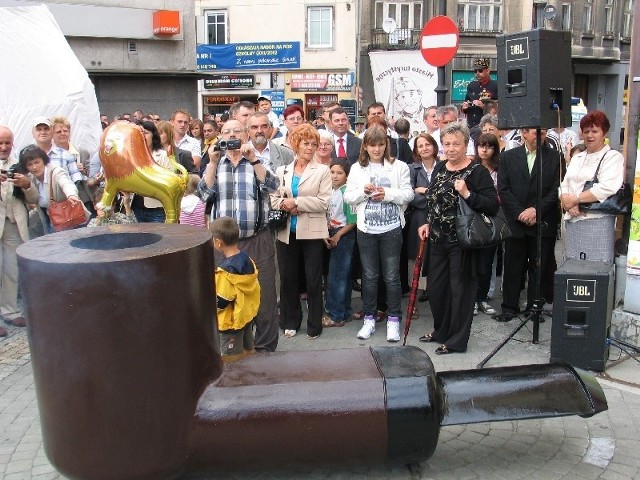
517 186
479 91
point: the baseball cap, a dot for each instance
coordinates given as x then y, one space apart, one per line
41 121
263 97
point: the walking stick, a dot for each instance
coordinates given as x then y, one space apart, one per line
414 288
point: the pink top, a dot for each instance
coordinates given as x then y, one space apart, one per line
192 211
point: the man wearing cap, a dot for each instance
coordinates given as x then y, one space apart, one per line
264 106
16 190
479 91
58 156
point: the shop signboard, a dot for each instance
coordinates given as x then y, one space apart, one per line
459 82
248 56
215 82
322 82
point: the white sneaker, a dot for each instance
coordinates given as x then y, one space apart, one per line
367 329
393 331
475 309
484 307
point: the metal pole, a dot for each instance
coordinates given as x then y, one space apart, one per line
441 90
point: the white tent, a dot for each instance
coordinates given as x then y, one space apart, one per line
42 76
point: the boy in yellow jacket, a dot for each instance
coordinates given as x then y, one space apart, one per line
237 289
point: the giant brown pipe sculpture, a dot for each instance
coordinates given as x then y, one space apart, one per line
124 349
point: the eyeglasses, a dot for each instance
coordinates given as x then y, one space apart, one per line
295 119
235 130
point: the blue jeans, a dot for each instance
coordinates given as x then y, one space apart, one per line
380 254
338 294
149 215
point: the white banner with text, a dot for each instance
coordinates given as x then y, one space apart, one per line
405 84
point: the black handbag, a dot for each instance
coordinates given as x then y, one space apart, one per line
479 230
617 204
277 219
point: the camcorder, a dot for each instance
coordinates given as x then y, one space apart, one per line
233 144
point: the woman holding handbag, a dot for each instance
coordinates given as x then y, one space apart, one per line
452 271
54 185
591 234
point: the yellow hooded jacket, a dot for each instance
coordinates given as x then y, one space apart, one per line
243 293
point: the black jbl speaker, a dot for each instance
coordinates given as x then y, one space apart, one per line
582 306
534 79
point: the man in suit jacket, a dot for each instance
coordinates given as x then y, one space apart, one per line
517 186
271 155
346 143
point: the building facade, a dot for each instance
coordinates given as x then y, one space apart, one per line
133 63
600 30
293 52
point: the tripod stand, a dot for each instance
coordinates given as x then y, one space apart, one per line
536 310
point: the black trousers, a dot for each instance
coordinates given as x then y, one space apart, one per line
452 295
520 257
290 257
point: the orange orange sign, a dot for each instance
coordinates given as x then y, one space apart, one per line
166 22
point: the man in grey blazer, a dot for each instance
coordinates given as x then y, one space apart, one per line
271 155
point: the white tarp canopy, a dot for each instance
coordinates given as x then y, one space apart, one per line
42 76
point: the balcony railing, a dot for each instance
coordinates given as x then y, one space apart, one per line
399 39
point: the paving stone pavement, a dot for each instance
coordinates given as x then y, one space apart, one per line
606 446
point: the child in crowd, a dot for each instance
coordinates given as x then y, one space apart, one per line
237 289
192 207
114 215
341 241
380 189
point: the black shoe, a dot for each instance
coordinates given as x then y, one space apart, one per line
424 297
356 286
504 317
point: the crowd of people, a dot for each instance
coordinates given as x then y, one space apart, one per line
357 209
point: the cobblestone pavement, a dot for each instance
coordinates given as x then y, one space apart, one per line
606 446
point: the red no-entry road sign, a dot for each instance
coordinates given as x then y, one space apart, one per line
439 41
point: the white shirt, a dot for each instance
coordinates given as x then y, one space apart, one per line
337 144
190 144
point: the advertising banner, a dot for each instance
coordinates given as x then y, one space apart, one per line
322 82
632 293
245 56
405 84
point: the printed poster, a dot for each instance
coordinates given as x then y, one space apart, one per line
405 83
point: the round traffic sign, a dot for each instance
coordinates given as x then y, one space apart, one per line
439 41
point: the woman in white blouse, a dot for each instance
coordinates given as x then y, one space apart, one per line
590 236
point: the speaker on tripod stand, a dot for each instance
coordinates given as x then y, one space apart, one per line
534 72
534 91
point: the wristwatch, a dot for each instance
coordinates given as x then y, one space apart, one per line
255 162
